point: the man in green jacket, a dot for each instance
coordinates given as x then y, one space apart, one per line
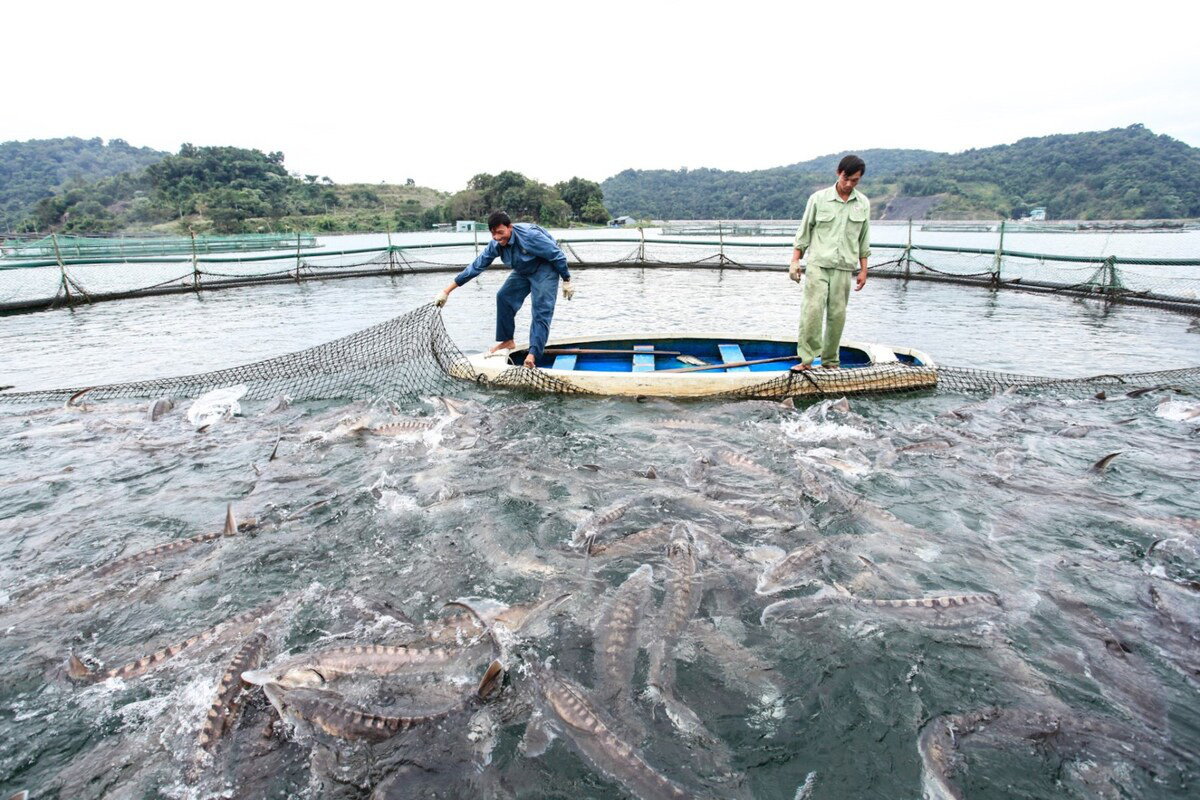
834 240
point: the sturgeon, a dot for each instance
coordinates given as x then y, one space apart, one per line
586 532
617 640
788 572
81 672
320 668
404 428
225 706
642 541
232 528
330 712
591 731
679 605
941 607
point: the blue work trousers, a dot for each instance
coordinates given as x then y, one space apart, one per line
543 284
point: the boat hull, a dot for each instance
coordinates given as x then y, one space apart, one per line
866 368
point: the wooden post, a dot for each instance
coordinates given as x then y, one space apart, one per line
908 251
195 268
391 256
64 283
475 231
642 245
998 260
297 256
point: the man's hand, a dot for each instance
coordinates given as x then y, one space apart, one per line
441 298
530 362
568 290
861 281
796 271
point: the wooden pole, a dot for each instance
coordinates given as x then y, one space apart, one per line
579 351
730 364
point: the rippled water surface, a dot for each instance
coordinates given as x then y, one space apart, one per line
1071 670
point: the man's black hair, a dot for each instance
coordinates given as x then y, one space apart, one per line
497 219
850 165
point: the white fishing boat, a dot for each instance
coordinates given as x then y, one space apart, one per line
696 365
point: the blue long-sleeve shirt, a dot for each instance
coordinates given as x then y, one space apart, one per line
528 248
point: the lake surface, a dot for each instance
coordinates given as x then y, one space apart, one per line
1081 682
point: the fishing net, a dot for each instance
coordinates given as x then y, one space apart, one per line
412 354
1162 283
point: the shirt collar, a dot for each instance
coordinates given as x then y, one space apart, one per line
837 198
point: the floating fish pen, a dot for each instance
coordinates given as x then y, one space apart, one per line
78 247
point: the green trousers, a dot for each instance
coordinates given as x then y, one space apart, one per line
825 294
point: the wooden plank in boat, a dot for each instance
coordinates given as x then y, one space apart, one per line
732 354
564 362
643 361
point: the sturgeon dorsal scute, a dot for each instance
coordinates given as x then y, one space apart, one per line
78 670
329 711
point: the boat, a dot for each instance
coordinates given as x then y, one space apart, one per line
698 365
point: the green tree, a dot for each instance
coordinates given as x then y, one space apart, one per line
578 193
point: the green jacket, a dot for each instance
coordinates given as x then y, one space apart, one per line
835 233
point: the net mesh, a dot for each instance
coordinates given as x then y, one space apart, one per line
412 354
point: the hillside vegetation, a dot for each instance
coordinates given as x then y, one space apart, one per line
35 169
1124 173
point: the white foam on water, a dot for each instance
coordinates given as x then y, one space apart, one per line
1178 411
216 405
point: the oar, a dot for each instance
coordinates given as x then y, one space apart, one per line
730 364
579 351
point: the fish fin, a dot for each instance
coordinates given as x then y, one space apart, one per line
537 738
493 678
77 669
1103 463
71 400
231 525
839 589
788 402
275 449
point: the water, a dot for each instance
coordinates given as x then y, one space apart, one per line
367 536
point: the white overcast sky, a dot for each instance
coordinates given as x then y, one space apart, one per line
440 91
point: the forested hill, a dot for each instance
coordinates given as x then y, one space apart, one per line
1124 173
776 193
35 169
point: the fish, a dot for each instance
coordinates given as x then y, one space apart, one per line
937 745
159 408
679 605
586 532
939 606
330 712
616 644
403 428
281 402
691 361
642 541
231 528
225 706
79 671
1101 465
789 571
73 400
925 447
591 731
1143 390
317 669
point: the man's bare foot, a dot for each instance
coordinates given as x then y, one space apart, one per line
530 362
509 345
801 367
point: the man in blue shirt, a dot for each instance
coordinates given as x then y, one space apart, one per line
537 263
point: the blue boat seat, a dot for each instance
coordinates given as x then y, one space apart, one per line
643 362
731 354
564 362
